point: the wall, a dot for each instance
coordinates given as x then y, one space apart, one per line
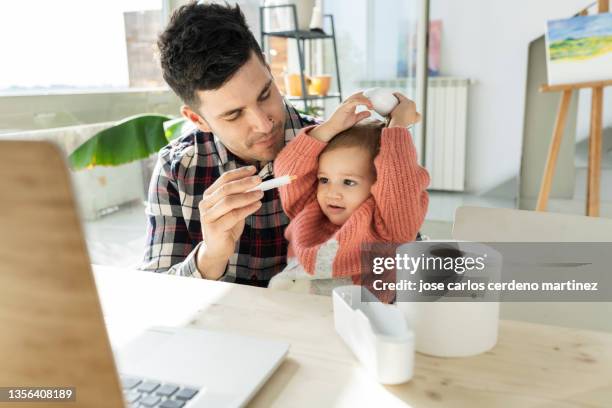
540 115
584 119
487 41
483 40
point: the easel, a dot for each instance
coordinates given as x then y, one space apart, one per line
594 169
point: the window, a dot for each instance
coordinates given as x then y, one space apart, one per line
78 44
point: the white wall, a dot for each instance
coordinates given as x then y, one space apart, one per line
584 109
487 41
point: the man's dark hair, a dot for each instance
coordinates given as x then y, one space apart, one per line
203 46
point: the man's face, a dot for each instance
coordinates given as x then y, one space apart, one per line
247 113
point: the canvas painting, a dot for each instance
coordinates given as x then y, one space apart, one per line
435 39
579 49
407 49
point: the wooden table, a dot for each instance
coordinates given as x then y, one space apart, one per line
531 366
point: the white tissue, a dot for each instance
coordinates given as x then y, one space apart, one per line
376 333
383 100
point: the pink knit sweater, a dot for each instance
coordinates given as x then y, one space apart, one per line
393 213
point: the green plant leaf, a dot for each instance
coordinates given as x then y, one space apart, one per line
175 127
133 138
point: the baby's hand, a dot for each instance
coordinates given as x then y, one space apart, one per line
405 113
343 118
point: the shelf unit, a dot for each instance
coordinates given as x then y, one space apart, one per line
301 36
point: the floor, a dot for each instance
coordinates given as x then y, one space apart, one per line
118 238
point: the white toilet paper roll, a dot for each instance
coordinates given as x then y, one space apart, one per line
457 328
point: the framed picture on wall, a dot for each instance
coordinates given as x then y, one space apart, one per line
407 50
579 49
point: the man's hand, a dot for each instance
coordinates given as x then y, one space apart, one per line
404 114
223 209
343 118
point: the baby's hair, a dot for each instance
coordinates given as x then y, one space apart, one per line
365 134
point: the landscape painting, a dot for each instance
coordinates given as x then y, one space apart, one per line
579 49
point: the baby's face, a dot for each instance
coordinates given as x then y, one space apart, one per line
345 178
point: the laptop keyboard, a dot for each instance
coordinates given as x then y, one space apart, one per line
143 393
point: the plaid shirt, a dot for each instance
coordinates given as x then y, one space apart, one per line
185 168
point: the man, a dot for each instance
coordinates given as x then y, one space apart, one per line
202 222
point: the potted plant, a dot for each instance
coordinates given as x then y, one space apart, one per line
134 138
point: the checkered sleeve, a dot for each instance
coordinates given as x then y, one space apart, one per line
169 248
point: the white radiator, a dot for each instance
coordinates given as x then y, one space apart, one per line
445 135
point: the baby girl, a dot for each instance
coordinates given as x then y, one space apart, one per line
357 183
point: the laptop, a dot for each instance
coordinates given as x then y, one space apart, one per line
52 332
